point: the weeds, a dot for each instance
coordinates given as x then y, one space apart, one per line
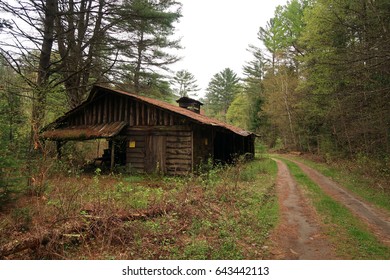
224 213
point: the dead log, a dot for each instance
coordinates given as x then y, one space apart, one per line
34 241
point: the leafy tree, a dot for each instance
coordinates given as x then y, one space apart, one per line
237 113
347 63
281 34
221 92
185 83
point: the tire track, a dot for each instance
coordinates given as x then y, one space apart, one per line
299 232
377 219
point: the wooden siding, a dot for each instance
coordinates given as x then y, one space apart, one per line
179 152
203 144
135 157
165 149
115 108
164 140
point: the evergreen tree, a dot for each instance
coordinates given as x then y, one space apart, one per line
146 41
221 92
185 84
254 71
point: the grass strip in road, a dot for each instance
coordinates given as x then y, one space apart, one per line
350 236
367 187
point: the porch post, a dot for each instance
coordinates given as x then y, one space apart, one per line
112 154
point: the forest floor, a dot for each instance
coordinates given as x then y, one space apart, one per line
276 208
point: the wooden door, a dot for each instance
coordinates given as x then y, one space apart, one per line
155 154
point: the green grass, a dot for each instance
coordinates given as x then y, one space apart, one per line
226 212
247 210
361 185
352 238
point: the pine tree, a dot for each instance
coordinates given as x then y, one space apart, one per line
221 91
185 84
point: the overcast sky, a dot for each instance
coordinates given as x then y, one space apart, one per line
216 33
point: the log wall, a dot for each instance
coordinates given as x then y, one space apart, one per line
174 149
113 108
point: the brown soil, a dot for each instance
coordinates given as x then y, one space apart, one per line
378 220
299 233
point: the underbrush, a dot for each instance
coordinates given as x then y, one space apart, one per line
224 213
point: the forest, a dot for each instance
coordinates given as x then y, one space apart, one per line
318 84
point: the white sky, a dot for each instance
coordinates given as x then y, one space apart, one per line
216 33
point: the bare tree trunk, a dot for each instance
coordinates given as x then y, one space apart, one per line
41 88
288 110
40 93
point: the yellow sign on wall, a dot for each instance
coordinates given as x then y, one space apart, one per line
132 144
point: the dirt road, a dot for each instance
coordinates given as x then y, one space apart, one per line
299 234
377 220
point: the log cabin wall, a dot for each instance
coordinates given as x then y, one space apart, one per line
157 137
203 144
157 140
161 149
109 108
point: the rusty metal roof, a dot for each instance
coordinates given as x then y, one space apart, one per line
85 132
181 111
54 130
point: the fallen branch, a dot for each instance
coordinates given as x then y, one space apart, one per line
74 229
33 242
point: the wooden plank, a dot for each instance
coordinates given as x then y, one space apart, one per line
142 114
135 155
179 145
140 166
177 138
137 113
138 145
137 137
180 157
172 129
94 113
130 116
118 109
155 157
98 112
109 109
179 162
105 110
126 109
147 116
136 160
112 155
171 151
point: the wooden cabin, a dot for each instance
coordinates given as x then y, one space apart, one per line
149 135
